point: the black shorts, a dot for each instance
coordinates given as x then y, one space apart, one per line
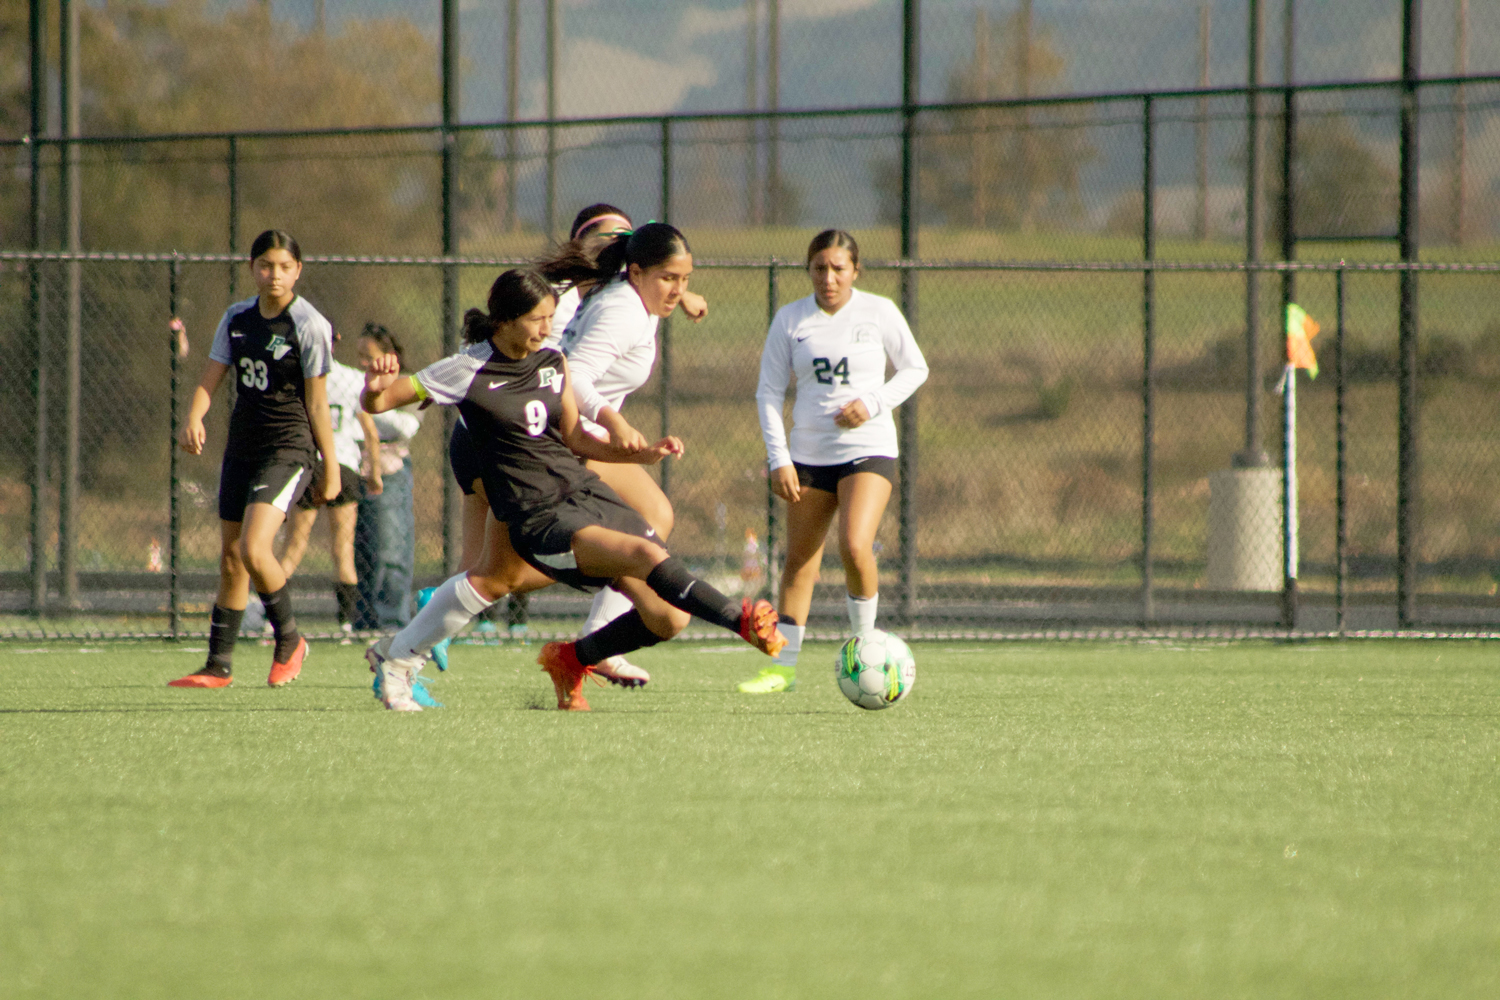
461 458
351 488
826 477
545 538
278 479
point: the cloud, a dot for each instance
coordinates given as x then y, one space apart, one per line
602 80
699 22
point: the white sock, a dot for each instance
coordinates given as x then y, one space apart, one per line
608 605
453 605
862 612
788 655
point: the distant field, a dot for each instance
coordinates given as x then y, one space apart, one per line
1067 820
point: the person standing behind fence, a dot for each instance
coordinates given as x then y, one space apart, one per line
280 348
841 459
385 535
353 433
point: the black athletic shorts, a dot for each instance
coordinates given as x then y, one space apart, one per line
461 458
545 539
351 487
826 477
279 480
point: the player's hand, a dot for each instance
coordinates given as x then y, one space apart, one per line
374 485
784 483
331 484
621 434
179 331
667 447
382 373
194 437
852 415
694 305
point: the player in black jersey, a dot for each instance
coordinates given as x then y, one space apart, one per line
562 520
278 348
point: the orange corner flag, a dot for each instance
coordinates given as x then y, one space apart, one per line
1300 330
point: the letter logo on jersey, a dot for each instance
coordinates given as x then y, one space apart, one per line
550 377
865 334
278 347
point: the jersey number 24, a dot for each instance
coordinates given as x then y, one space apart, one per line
826 370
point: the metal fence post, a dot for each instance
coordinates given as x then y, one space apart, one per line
233 163
773 576
1288 293
174 527
37 317
664 333
1148 361
910 223
1341 533
452 539
1408 498
72 203
1254 455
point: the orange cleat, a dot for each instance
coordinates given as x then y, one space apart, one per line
285 673
560 660
201 681
758 627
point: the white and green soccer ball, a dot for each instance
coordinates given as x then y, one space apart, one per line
875 670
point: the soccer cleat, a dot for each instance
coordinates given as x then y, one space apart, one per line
758 627
419 692
560 660
424 595
621 672
439 653
394 679
771 680
346 634
201 681
285 673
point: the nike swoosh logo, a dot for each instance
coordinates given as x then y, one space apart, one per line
859 461
650 532
803 337
683 596
260 487
236 336
496 385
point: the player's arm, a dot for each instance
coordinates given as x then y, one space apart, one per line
194 435
694 305
585 445
385 389
315 399
770 399
373 485
910 372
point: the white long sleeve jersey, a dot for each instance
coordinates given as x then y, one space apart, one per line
837 359
344 386
611 348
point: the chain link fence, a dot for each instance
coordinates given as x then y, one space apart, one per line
1037 500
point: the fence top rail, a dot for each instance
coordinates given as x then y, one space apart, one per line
787 263
1237 90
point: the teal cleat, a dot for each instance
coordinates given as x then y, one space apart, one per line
439 653
419 692
424 595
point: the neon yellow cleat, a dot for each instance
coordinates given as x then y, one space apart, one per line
770 681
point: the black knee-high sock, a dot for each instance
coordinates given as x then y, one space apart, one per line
680 588
279 614
223 629
625 634
348 598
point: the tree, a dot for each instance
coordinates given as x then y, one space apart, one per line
999 167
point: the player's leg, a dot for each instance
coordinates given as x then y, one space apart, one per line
341 520
298 532
475 520
228 612
636 487
808 521
257 541
862 501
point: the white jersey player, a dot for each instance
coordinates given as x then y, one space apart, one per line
840 459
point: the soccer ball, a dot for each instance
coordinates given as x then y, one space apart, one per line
875 670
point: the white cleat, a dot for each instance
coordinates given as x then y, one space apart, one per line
395 677
620 671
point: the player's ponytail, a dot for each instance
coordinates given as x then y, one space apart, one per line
650 246
514 294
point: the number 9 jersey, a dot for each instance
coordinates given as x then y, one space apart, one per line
837 359
512 409
269 359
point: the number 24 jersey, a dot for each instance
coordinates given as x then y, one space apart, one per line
837 359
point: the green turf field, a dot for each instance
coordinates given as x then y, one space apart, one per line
1066 820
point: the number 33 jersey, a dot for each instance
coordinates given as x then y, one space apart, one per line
513 410
269 359
837 359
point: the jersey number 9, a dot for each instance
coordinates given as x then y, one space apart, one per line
536 417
